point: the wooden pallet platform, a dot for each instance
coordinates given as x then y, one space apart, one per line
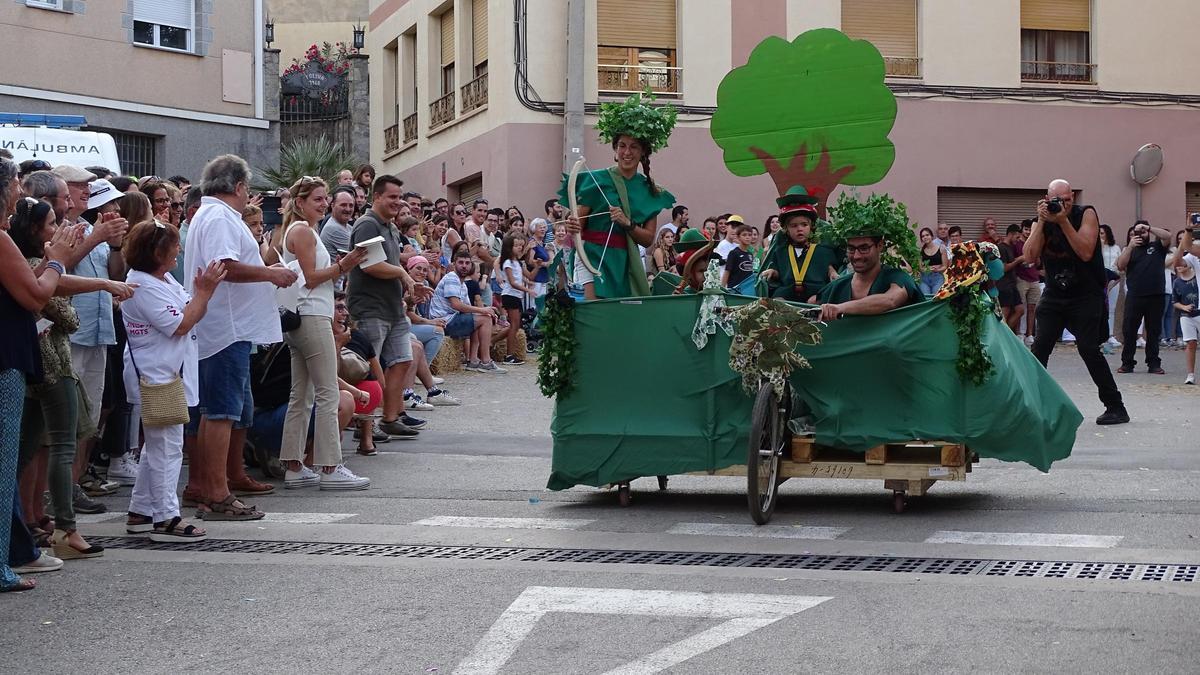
805 450
907 472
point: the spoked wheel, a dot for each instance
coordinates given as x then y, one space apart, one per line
768 438
623 496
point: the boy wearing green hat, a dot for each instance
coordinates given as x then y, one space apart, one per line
795 267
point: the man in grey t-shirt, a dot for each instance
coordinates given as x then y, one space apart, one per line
377 302
336 232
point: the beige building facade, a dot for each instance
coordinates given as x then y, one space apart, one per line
996 98
175 82
300 24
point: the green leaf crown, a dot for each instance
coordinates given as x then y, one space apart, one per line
635 117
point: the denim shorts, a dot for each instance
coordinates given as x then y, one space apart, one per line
225 386
461 326
391 341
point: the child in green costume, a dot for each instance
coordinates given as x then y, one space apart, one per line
795 267
618 207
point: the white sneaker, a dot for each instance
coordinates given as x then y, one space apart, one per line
415 402
123 470
44 563
1028 340
1141 342
437 380
1113 342
443 397
303 478
1191 379
344 479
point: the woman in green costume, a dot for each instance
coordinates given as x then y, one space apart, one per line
617 208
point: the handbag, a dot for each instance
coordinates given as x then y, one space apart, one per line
288 298
288 320
163 405
352 367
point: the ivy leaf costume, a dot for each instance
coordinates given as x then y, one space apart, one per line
614 253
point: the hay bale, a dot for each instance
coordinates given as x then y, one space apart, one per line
500 349
449 357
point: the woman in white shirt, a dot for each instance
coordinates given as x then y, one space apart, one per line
161 346
1111 251
314 356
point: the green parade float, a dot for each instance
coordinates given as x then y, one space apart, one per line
686 378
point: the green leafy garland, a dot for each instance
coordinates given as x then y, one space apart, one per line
879 215
556 357
969 308
634 117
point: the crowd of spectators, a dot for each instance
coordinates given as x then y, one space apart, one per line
274 322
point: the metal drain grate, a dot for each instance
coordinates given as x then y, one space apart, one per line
1047 569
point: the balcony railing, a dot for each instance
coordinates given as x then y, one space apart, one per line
624 79
894 66
391 138
1054 71
410 128
441 111
475 93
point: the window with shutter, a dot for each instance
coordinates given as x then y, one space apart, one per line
967 207
1056 41
890 25
636 46
479 32
447 25
169 24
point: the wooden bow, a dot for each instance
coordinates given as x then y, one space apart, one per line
573 203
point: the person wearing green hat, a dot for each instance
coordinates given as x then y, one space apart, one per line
618 207
695 250
796 267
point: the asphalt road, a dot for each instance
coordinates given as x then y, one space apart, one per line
458 560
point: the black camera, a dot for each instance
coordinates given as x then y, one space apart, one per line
1054 205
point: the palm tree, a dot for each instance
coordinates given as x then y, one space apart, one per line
306 157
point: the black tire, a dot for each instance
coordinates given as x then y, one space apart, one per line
662 482
623 496
899 501
768 437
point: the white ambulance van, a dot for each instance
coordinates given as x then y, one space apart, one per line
60 146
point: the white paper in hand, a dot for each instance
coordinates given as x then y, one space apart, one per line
375 253
289 297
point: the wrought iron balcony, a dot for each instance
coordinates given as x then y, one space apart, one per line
441 111
410 128
1054 71
391 138
625 79
894 66
475 93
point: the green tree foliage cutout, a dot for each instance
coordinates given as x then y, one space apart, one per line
814 112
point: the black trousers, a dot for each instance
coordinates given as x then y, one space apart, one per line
1148 308
1087 319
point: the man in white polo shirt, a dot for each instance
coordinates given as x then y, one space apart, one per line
241 313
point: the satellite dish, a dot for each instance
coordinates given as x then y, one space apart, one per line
1146 164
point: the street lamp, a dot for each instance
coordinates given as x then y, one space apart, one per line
360 36
269 35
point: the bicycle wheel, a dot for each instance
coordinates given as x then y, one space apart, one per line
767 440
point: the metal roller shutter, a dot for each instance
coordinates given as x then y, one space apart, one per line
1192 203
177 13
470 190
479 26
890 25
448 37
967 207
648 24
1073 15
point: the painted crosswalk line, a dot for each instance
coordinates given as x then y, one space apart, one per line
506 523
757 531
1023 539
305 518
741 614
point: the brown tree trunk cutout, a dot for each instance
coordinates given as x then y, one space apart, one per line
819 182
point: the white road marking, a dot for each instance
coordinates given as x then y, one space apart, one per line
743 614
760 531
305 518
506 523
93 518
1023 539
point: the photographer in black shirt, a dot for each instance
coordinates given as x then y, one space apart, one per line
1143 262
1066 237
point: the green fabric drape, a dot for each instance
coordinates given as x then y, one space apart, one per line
647 402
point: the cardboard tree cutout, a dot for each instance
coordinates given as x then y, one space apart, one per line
814 112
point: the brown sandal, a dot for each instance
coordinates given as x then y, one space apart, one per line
230 508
